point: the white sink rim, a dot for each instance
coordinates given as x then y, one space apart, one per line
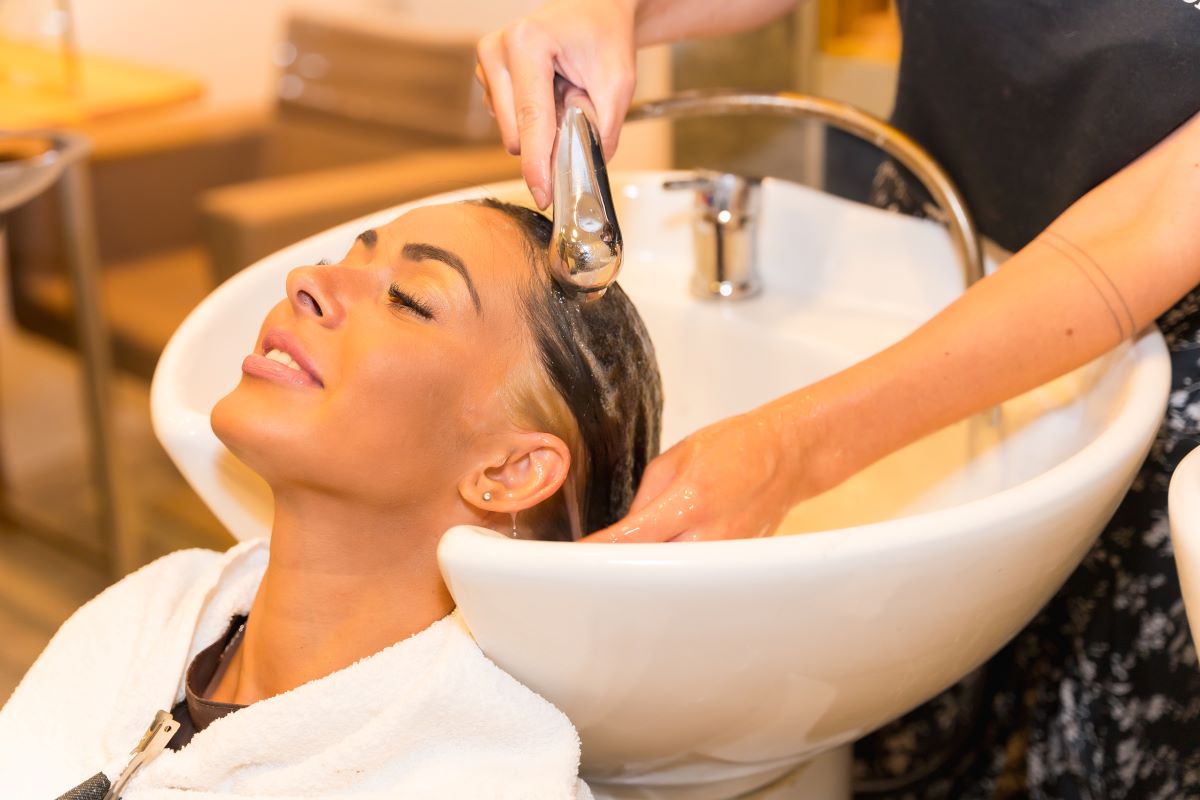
1183 509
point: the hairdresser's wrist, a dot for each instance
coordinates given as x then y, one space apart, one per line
812 455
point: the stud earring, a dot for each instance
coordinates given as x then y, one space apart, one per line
487 496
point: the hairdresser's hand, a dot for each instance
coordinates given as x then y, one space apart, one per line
588 42
735 479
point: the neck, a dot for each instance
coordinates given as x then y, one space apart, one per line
341 584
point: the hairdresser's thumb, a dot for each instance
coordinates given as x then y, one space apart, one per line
646 520
633 529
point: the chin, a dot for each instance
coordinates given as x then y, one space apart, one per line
256 431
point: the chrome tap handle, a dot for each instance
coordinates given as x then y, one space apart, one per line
725 232
851 120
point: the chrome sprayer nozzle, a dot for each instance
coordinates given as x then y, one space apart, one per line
585 244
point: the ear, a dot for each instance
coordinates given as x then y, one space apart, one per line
524 469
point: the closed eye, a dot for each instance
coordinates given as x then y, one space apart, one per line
403 299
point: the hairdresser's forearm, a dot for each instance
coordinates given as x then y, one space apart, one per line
1035 319
1039 316
660 21
1104 270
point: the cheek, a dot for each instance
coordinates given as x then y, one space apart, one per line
401 411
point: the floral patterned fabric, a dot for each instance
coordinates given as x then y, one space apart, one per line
1099 697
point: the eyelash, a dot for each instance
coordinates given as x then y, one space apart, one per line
403 299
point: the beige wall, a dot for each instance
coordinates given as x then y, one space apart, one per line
229 43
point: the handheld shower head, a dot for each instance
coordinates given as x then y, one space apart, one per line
585 243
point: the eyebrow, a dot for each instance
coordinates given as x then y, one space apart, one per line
417 251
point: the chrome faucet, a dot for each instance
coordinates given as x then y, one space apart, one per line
725 233
851 120
586 247
585 244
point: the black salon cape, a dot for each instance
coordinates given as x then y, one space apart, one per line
1028 104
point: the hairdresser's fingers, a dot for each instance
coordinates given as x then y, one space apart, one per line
657 478
591 44
492 72
734 479
531 54
663 507
481 79
606 73
655 523
612 94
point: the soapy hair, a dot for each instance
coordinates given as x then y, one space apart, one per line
600 390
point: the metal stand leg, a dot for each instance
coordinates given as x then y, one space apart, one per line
115 506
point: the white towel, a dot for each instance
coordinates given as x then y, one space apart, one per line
429 717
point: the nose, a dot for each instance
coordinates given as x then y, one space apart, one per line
314 292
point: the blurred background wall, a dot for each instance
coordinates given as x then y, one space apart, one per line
229 44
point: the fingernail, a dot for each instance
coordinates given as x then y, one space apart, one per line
539 197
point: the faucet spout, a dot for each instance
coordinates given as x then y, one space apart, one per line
585 244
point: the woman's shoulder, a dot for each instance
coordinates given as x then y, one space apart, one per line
146 602
149 598
170 577
119 656
190 561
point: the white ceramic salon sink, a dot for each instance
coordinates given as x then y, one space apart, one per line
705 670
1183 501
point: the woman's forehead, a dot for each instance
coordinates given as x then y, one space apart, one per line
482 237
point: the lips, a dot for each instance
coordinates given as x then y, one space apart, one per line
283 360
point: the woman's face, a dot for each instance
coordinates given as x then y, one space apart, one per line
396 362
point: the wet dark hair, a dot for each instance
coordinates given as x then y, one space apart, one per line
599 358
